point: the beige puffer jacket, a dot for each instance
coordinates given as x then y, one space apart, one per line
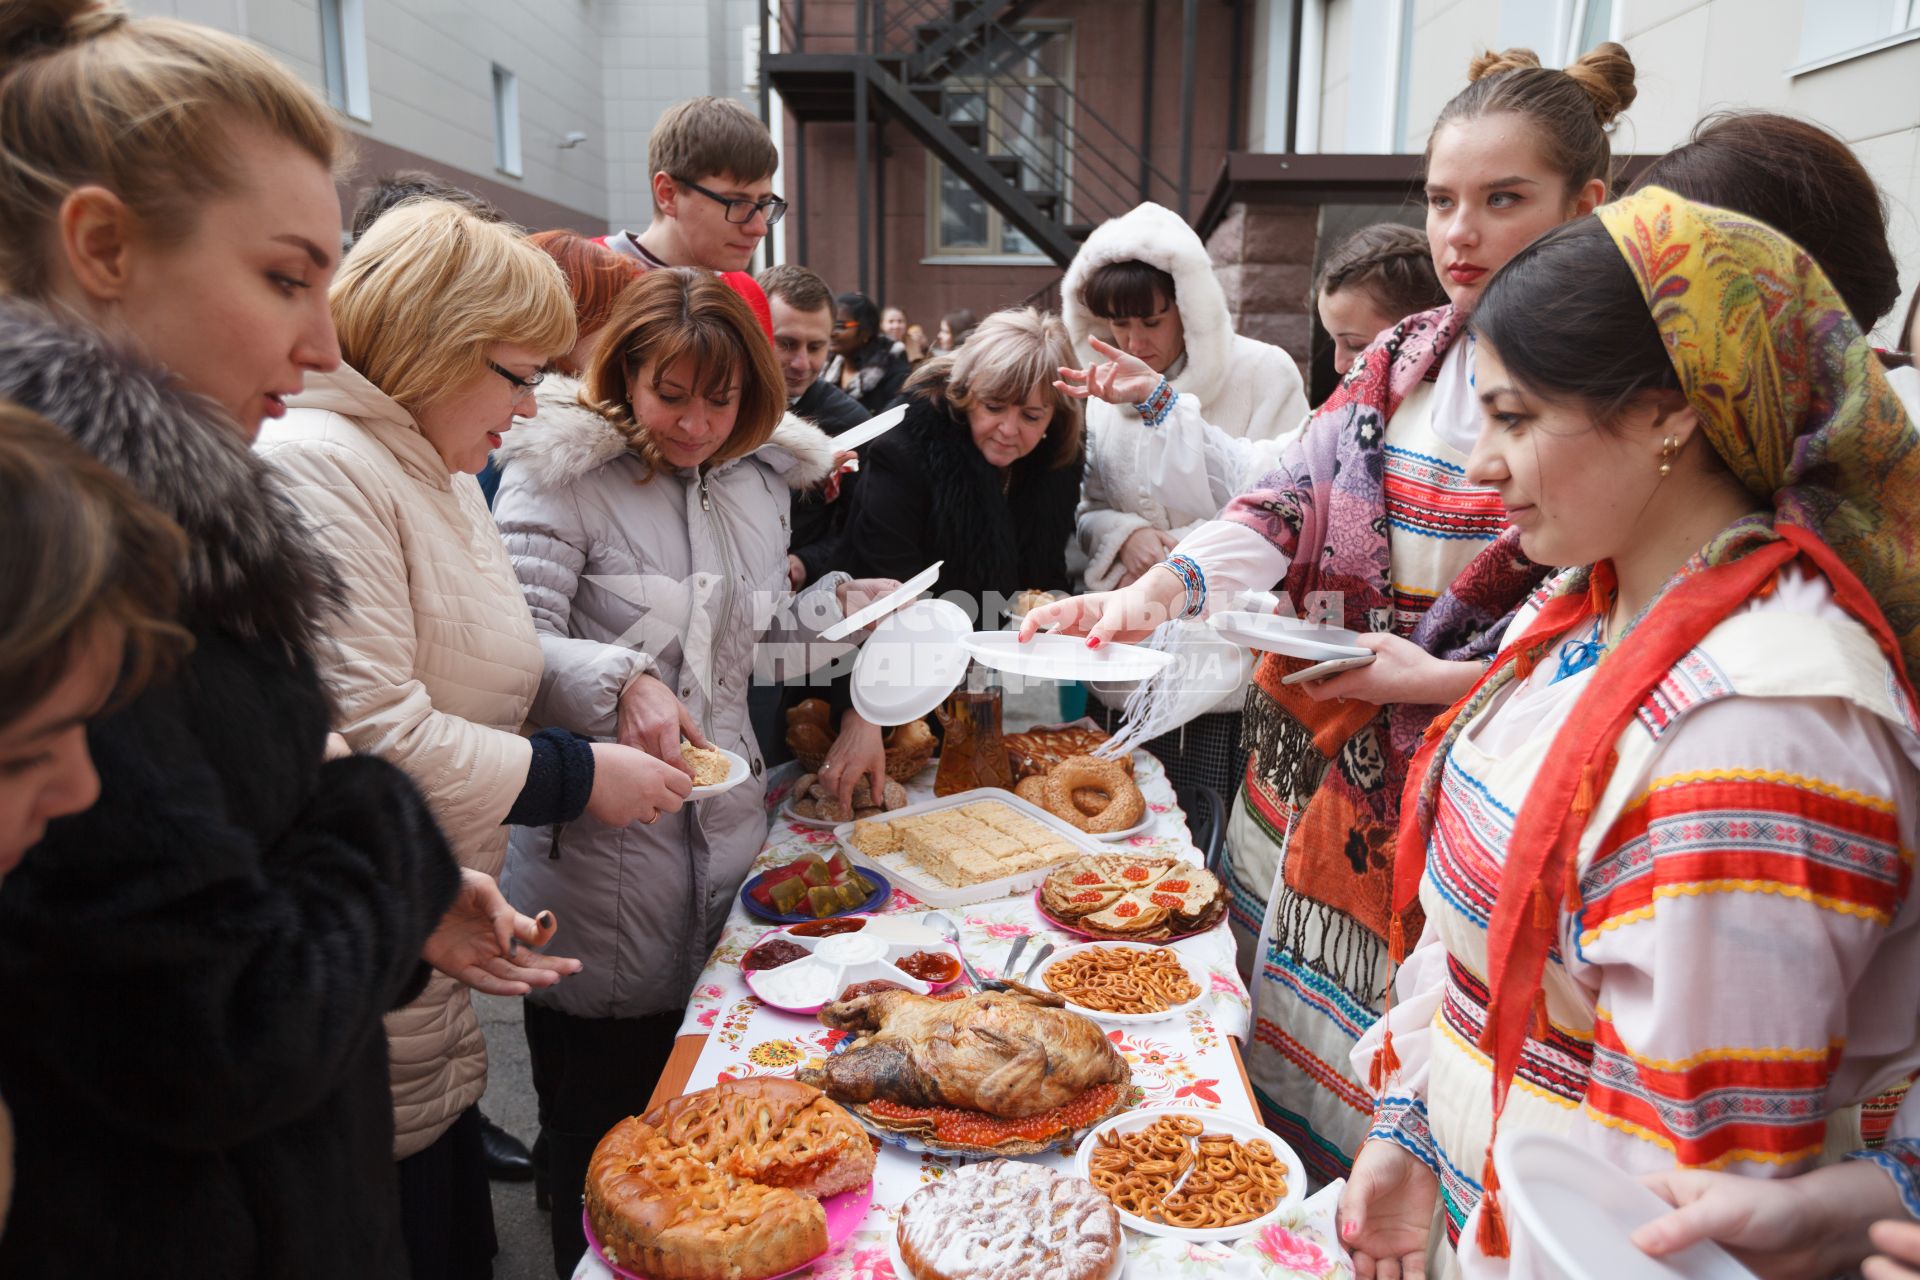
434 667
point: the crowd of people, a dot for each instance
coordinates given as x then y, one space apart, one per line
362 601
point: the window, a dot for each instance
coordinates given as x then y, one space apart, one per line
343 56
506 121
1017 93
1834 30
1590 23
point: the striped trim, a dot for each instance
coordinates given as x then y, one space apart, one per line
1320 994
1718 1106
1746 835
1325 1161
1556 1068
1328 1078
1433 499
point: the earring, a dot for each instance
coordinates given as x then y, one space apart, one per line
1668 447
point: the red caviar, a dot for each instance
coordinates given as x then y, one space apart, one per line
1168 900
1087 877
977 1128
1091 895
1127 910
1136 873
1173 886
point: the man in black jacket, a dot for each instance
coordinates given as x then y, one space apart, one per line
802 324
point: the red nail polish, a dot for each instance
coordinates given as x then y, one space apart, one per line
1348 1230
1093 642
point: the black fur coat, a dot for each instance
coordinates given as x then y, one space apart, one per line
195 970
927 494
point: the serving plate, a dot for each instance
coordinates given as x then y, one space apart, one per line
923 885
845 1212
1215 1122
840 961
900 1263
881 892
1211 921
1199 980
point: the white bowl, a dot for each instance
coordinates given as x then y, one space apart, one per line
1216 1122
1124 1019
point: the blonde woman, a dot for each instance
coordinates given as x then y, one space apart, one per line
650 540
984 474
446 323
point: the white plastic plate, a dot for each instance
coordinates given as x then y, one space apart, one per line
1216 1122
870 430
911 662
1050 656
1271 633
1580 1212
892 602
1199 980
737 773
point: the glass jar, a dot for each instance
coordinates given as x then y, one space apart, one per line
973 752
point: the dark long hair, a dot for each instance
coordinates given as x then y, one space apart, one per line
1570 324
1804 183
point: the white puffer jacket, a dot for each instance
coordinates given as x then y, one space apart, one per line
1241 401
682 575
433 666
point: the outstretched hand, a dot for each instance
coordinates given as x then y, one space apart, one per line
483 942
1119 379
1131 613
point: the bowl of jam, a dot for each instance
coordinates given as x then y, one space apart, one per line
935 968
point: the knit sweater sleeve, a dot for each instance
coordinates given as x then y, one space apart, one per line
559 780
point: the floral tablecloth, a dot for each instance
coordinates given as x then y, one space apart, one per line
1186 1061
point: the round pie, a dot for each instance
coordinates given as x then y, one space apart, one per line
726 1183
1006 1221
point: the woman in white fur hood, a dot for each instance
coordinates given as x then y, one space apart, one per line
1143 282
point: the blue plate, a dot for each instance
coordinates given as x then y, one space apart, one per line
881 892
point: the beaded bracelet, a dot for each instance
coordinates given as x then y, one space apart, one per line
1155 408
1193 580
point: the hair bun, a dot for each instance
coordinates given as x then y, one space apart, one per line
29 28
1493 64
1606 73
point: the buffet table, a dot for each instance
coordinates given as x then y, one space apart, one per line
1191 1060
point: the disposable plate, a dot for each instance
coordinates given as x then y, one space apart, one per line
1272 633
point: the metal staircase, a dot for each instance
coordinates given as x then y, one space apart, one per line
946 72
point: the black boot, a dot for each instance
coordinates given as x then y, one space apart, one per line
542 1197
507 1157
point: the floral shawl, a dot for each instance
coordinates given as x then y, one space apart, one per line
1325 507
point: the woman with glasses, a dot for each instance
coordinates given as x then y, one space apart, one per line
446 323
866 364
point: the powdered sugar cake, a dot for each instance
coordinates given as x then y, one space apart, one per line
1007 1221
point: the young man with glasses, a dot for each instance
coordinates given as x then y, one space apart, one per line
713 202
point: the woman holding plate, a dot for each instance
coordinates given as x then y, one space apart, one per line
650 541
1370 511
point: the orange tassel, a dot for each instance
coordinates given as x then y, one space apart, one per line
1572 895
1524 662
1583 794
1492 1236
1542 1025
1542 909
1385 1065
1766 588
1396 940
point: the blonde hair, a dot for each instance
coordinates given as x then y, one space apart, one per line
144 107
419 301
1004 359
675 314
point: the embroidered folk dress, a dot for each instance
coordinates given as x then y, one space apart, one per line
1741 966
1319 977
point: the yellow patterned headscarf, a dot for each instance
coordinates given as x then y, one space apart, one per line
1788 390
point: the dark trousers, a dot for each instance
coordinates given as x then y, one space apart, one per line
446 1207
589 1074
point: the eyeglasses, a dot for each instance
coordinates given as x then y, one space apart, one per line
741 212
524 384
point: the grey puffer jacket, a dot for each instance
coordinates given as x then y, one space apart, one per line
681 576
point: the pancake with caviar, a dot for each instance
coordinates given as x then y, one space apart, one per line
1000 1073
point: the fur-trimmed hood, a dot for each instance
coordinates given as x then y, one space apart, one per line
567 440
1159 237
251 568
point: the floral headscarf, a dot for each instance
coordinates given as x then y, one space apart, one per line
1791 397
1789 392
